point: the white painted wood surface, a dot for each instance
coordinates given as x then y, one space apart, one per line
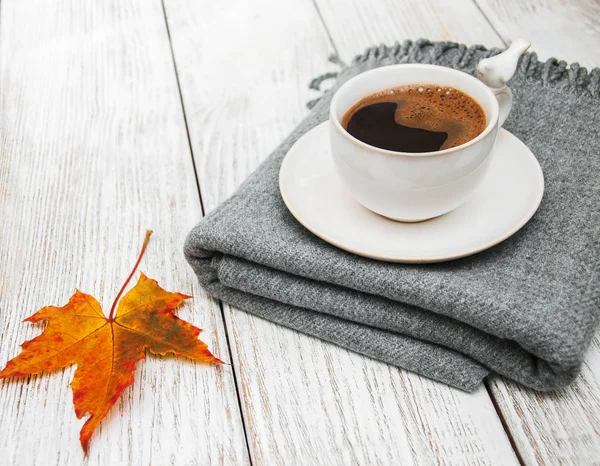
93 150
561 427
566 30
357 24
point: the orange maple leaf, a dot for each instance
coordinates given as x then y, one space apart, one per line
107 349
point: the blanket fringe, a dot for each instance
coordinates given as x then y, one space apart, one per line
552 72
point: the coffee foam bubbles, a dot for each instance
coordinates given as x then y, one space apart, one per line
434 108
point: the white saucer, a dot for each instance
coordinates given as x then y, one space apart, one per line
508 197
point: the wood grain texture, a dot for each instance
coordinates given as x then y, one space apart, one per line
93 150
357 24
244 71
561 427
313 403
566 30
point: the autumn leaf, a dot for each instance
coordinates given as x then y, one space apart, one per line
107 349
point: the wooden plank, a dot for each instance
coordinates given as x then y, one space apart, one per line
309 402
93 150
355 24
561 427
567 30
243 71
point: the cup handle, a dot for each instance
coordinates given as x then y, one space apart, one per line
496 71
505 101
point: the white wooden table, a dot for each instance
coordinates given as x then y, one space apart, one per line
122 115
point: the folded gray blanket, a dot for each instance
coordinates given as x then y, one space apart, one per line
526 309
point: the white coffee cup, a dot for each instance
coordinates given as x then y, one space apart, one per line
413 187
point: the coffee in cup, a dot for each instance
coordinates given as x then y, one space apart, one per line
416 118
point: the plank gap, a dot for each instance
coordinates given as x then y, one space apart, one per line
185 122
236 384
326 28
221 306
511 439
496 32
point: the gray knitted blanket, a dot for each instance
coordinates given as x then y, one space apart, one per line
526 309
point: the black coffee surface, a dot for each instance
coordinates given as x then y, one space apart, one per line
416 118
375 124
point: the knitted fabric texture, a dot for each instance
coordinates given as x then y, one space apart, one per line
526 309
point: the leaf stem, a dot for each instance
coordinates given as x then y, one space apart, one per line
112 309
